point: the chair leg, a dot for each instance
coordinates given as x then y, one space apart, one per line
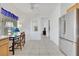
20 45
23 44
24 41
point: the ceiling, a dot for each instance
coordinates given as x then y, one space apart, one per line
31 10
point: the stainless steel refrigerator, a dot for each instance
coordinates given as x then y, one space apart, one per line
69 33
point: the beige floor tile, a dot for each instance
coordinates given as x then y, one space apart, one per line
43 47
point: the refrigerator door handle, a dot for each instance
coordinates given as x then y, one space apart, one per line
64 27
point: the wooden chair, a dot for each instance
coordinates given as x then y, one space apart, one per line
18 43
23 38
15 44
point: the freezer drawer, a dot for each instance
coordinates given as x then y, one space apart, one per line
67 47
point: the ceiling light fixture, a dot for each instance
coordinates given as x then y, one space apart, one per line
32 5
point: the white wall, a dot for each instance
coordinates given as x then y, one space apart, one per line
35 35
26 27
54 25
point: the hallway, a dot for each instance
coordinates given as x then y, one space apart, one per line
31 21
43 47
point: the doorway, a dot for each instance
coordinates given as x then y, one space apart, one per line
49 29
45 24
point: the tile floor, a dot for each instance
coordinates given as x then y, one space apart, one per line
43 47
